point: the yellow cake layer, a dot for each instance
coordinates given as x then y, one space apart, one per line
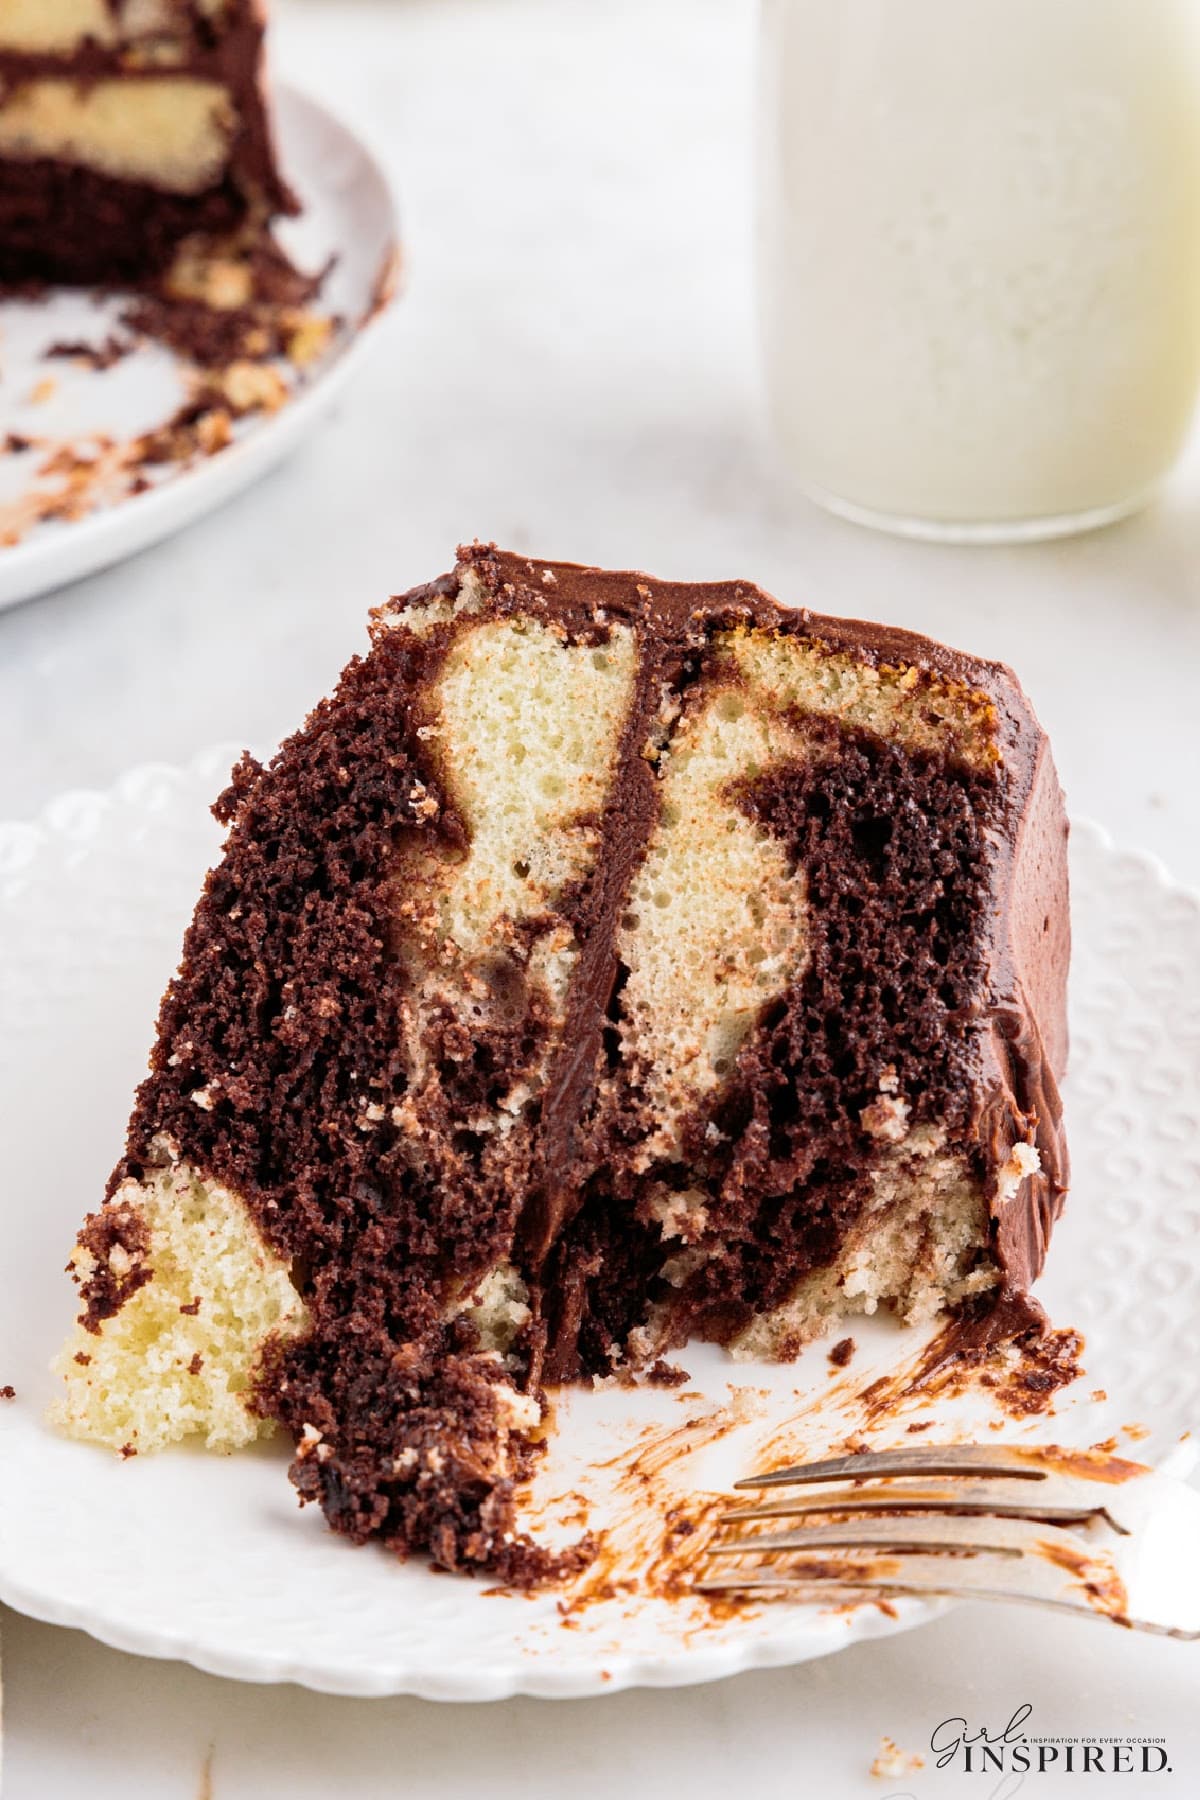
59 27
173 133
524 731
179 1356
714 924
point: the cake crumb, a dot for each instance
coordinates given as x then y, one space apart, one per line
8 1392
308 338
892 1762
842 1351
45 390
220 282
253 386
127 1450
1024 1160
192 1307
98 357
886 1118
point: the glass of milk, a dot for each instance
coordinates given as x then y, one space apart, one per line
979 256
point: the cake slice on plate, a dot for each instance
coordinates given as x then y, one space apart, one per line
608 962
126 127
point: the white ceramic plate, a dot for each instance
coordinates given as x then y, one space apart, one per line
210 1560
349 212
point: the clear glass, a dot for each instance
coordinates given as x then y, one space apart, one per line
979 256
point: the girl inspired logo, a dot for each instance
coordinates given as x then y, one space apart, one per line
952 1738
1010 1751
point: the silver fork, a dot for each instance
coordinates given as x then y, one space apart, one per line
1079 1531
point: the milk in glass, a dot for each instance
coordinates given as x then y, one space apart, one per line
979 254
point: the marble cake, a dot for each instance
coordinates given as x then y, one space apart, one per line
126 128
608 962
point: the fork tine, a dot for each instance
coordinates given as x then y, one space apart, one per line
1065 1501
1091 1588
1000 1537
946 1459
974 1578
821 1591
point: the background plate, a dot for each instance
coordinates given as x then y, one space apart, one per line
349 213
209 1559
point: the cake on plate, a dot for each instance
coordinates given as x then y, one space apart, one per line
126 128
609 962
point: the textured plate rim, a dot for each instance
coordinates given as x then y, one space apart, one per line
512 1677
508 1679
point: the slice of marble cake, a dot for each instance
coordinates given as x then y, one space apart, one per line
608 962
129 128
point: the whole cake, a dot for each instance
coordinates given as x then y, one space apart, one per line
608 962
126 127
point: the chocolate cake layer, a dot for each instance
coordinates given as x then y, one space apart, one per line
496 1166
61 223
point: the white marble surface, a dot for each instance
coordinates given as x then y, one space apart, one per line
572 373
